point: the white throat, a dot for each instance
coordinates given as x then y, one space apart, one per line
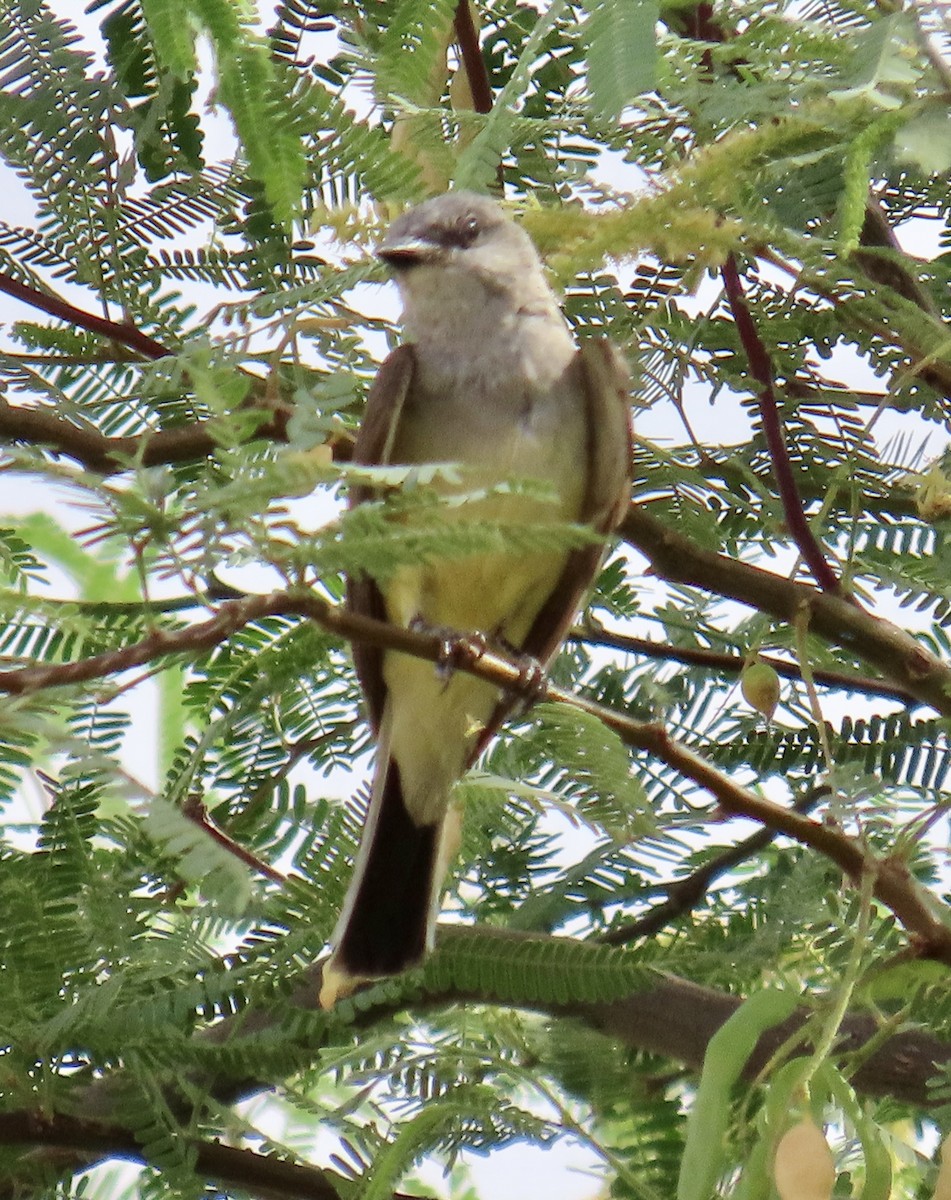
463 325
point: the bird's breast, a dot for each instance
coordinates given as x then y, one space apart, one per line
513 433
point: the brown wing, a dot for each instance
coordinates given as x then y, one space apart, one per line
604 381
372 448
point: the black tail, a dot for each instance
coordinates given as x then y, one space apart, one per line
385 929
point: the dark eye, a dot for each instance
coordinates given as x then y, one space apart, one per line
465 231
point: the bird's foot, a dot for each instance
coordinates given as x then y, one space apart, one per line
532 683
455 649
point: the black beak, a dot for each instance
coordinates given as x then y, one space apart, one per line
404 253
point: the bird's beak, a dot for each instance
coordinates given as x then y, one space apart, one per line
402 253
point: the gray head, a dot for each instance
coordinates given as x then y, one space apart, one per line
459 233
469 277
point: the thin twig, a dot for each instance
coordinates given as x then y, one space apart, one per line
473 63
194 809
732 664
683 895
762 371
54 306
801 631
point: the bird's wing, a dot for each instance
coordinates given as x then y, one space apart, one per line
605 385
373 448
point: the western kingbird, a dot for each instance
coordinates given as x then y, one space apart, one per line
489 378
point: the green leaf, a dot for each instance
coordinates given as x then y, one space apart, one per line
173 35
926 142
880 68
248 87
521 969
598 768
621 53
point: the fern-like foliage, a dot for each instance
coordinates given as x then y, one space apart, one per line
195 318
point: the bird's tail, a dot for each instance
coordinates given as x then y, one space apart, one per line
388 916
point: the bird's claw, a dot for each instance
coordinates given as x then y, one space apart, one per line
455 649
532 682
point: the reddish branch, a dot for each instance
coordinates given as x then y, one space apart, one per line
762 371
697 21
160 643
704 23
124 334
195 810
472 61
480 87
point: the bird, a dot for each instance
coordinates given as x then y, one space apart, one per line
488 378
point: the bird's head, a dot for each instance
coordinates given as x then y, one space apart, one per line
463 238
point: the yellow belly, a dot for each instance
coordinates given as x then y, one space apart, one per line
431 721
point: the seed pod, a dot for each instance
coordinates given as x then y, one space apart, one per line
759 684
804 1168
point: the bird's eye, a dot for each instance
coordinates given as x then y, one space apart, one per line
466 230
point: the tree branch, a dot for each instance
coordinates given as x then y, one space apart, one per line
107 455
677 1019
192 639
267 1175
732 664
893 884
190 443
762 371
877 642
54 306
472 61
671 1017
683 895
